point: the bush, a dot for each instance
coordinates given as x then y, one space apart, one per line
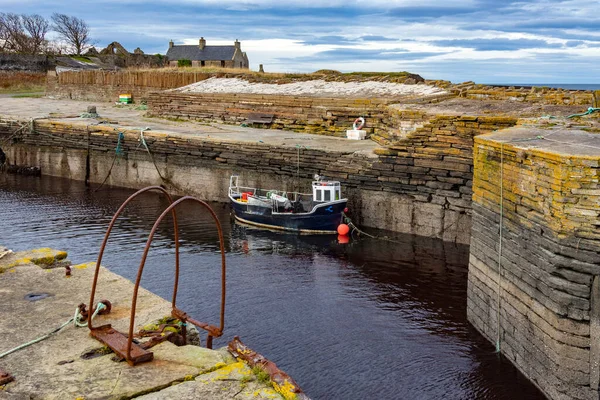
184 63
17 81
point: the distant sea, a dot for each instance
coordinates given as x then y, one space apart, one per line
569 86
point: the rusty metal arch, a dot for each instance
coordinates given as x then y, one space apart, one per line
107 235
213 331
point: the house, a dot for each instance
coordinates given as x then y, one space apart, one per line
208 56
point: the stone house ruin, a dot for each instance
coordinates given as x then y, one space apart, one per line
208 56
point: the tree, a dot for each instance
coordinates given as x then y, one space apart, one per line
20 33
72 30
12 34
36 27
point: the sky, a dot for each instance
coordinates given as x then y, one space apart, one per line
486 41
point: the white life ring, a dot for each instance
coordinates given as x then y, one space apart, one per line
357 120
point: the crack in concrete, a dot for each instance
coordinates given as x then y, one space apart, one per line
175 382
116 383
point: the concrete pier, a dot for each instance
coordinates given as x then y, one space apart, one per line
38 297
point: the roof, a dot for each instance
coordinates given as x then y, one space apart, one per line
194 53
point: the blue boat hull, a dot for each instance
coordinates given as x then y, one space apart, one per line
325 218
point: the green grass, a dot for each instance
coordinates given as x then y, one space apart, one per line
33 95
82 59
262 376
22 82
278 77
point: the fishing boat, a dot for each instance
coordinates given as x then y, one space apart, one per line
318 212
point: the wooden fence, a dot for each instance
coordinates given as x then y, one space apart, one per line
150 79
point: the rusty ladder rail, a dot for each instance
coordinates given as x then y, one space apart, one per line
212 330
105 333
123 345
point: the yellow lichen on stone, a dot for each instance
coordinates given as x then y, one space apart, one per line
44 256
84 265
266 392
19 261
226 370
286 390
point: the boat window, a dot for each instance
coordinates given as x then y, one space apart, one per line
318 195
337 194
327 195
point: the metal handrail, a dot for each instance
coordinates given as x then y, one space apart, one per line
213 331
107 235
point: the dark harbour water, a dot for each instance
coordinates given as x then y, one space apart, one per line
366 320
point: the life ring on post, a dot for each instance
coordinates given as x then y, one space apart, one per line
360 120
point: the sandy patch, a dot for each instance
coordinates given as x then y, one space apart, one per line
318 88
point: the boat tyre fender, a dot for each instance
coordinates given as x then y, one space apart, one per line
358 123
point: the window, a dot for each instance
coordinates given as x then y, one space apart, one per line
318 195
222 64
327 196
202 63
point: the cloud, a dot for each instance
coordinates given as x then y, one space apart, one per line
330 40
497 44
351 54
376 38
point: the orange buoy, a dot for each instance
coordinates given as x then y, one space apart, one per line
343 229
343 239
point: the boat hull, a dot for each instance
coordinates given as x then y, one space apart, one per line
323 219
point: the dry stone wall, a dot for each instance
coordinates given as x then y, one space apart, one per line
534 95
545 284
325 116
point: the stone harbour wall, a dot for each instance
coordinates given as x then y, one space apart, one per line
546 285
323 116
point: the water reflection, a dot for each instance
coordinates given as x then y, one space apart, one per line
362 320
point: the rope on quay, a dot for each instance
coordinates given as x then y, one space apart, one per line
76 320
589 111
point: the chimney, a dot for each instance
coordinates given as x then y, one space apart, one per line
202 43
170 43
237 44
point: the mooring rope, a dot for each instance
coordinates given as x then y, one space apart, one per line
75 319
498 325
118 153
355 228
150 154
